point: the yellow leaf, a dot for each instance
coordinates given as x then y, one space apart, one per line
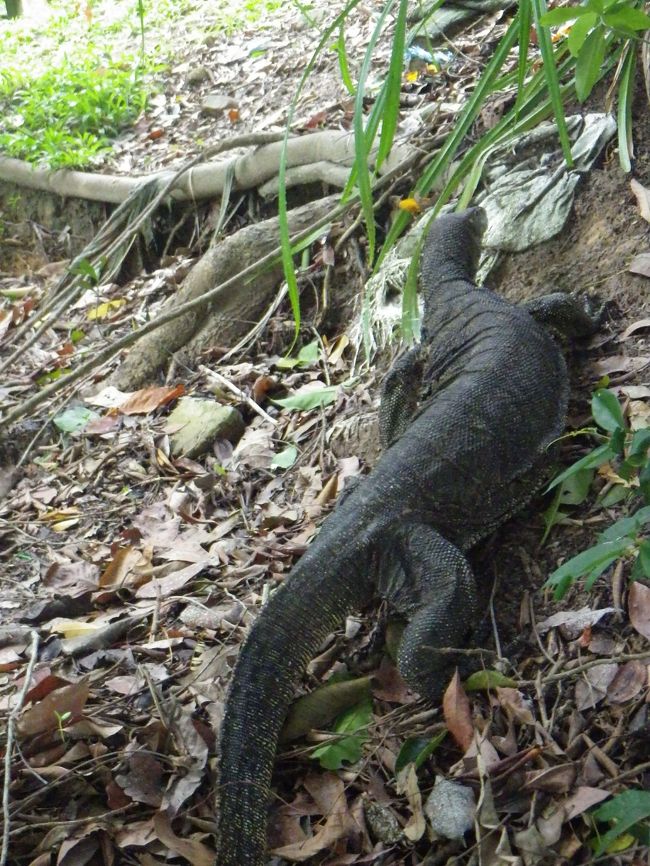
64 525
105 309
60 514
624 841
74 628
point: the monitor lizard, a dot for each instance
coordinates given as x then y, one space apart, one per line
466 418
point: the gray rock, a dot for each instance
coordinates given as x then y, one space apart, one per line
450 809
199 423
215 104
198 75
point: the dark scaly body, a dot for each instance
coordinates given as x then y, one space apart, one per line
466 418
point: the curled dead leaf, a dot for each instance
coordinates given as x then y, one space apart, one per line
638 603
457 713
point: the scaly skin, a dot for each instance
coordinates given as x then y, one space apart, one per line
466 418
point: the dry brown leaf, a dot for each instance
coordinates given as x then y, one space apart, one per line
138 834
75 851
128 568
638 413
457 713
338 823
638 325
592 688
194 851
164 587
619 364
640 265
72 579
583 798
515 704
555 780
628 682
148 399
326 790
115 796
60 707
572 622
407 783
642 195
43 682
143 780
638 603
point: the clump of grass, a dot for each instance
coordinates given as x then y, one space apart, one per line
66 116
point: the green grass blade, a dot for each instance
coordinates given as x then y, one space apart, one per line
364 137
552 78
344 67
467 116
625 94
524 41
285 242
393 86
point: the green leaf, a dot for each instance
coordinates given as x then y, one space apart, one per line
332 755
488 679
572 491
416 750
624 811
393 86
318 708
552 78
644 556
614 495
364 138
640 442
344 67
591 562
307 400
561 16
644 482
627 19
524 15
309 354
285 458
285 241
589 61
627 527
607 410
75 419
595 458
579 32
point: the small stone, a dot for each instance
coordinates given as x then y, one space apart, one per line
450 809
215 104
198 423
382 823
197 76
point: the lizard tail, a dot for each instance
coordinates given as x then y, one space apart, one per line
320 592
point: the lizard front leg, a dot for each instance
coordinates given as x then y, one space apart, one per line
400 395
571 315
427 579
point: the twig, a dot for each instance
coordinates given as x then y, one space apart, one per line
607 783
226 383
11 727
624 657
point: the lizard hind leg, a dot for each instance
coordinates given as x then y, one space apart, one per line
426 579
